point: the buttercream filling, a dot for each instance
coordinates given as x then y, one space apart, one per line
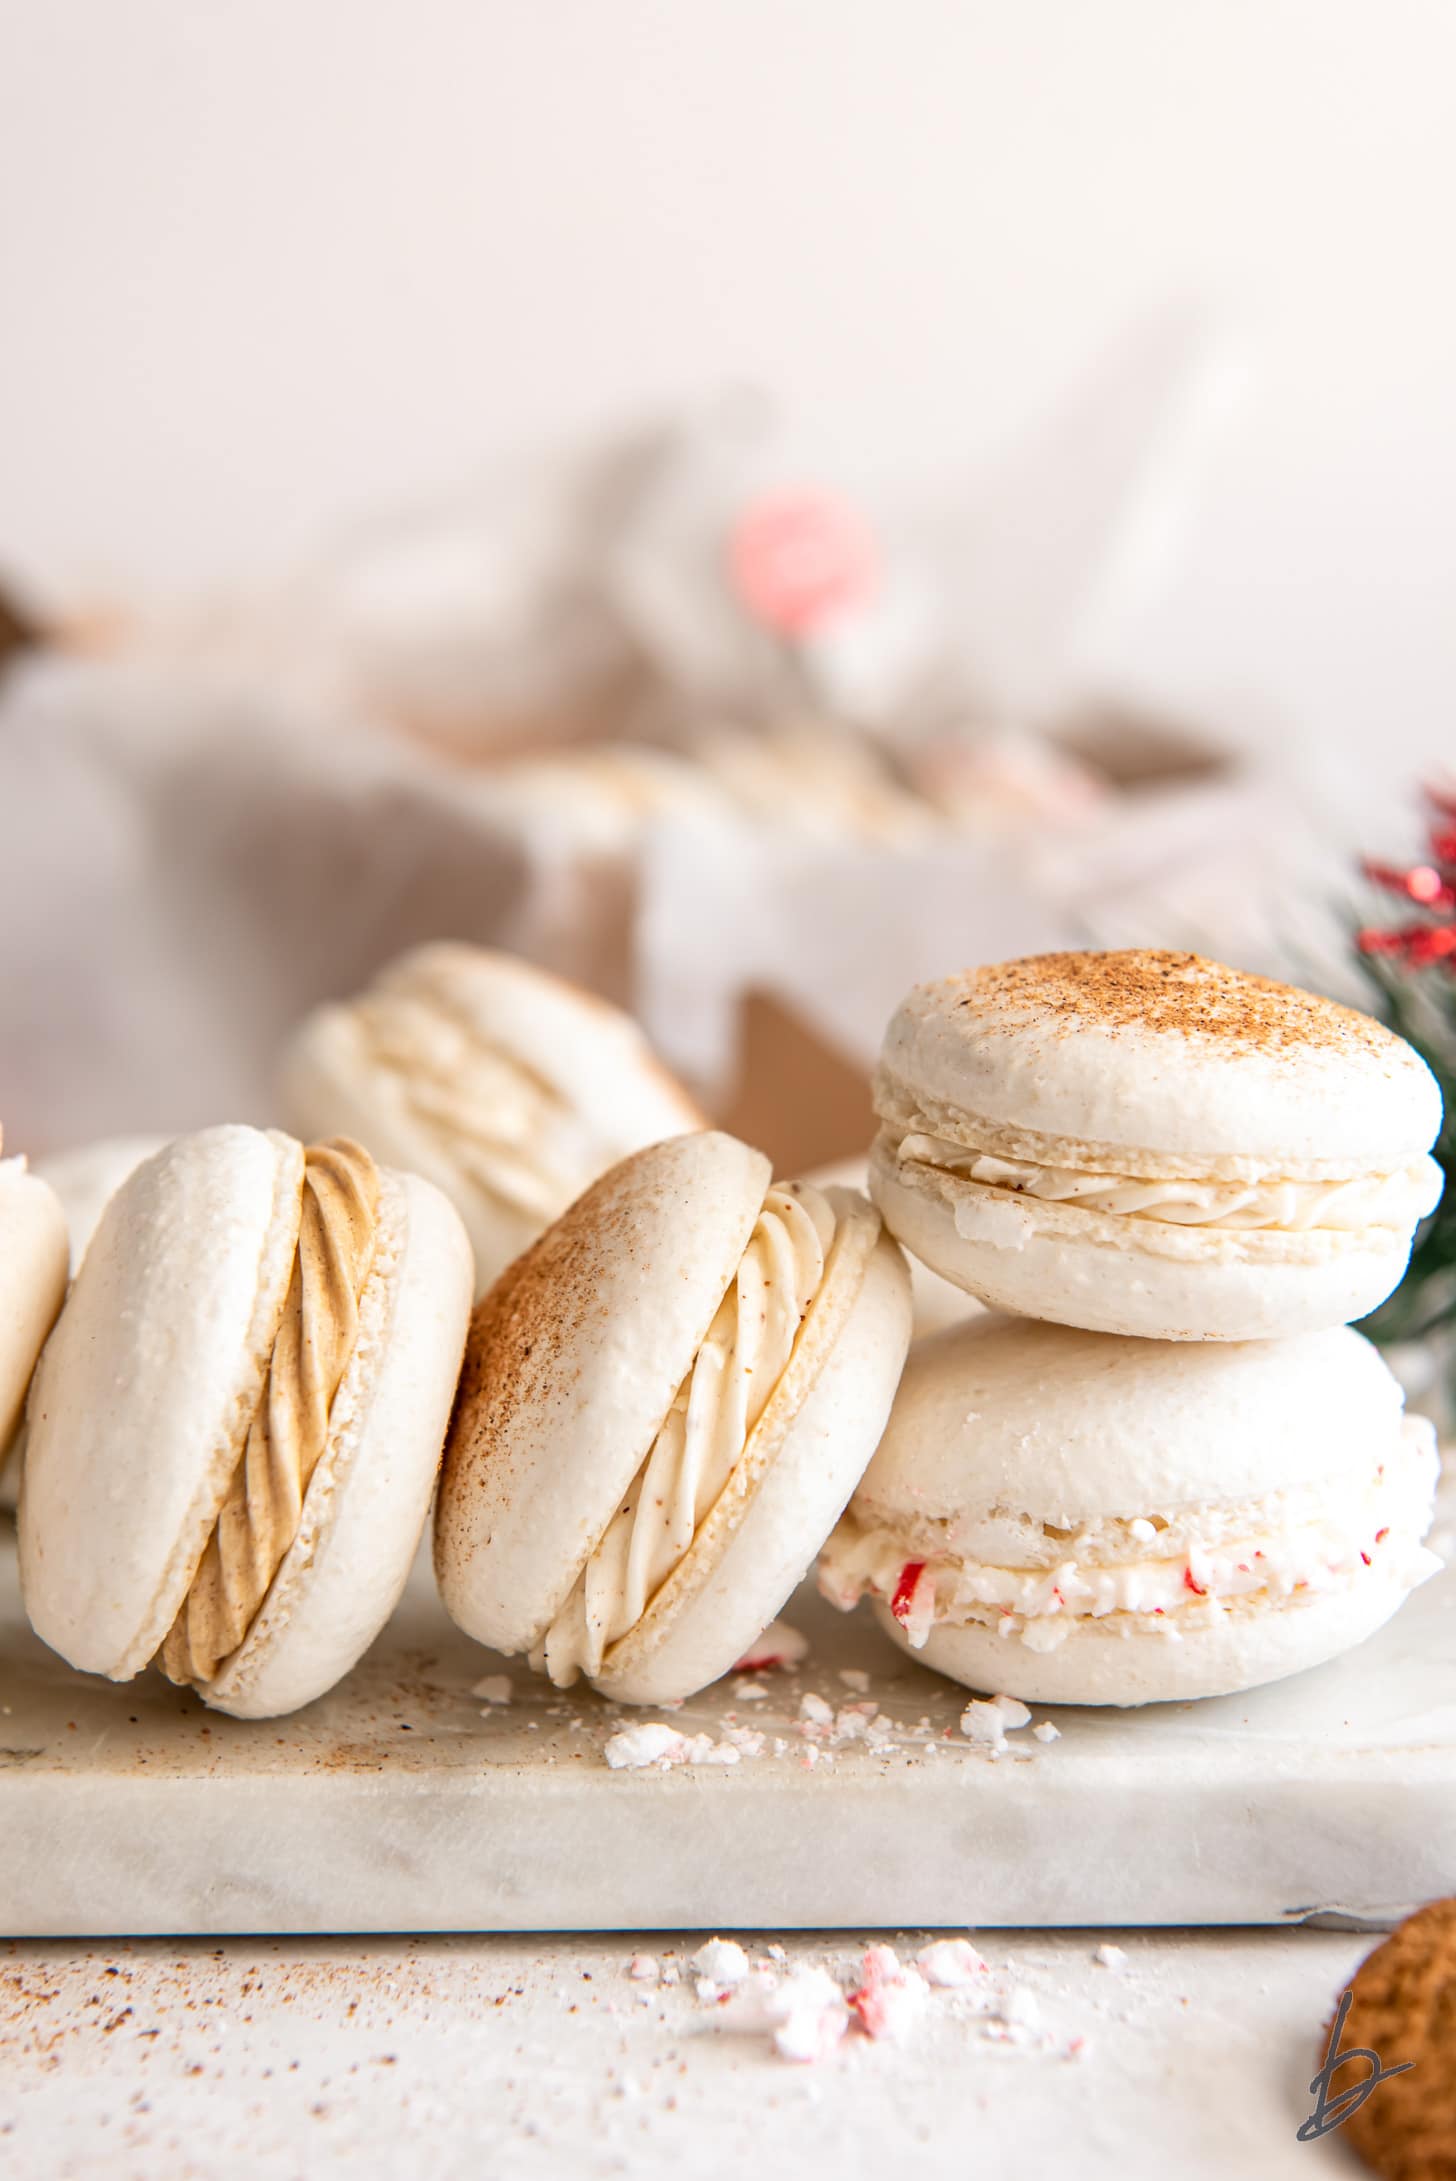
259 1519
703 1435
1162 1573
504 1127
1395 1200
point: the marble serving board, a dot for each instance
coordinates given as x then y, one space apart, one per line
404 1802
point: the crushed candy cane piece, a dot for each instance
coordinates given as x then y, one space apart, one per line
950 1964
779 1645
723 1960
804 2012
814 1709
750 1692
891 1999
651 1743
495 1688
1111 1957
854 1677
1013 1712
1046 1732
983 1724
913 1604
642 1968
656 1743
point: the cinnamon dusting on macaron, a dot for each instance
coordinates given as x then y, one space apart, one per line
1156 989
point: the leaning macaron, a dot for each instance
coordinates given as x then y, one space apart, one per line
508 1088
32 1283
235 1427
665 1405
83 1182
1151 1143
1076 1518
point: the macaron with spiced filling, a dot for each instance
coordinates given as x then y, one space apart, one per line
235 1427
33 1259
81 1182
509 1088
665 1405
1150 1143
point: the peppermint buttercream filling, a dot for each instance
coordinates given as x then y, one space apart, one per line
1159 1574
260 1517
703 1436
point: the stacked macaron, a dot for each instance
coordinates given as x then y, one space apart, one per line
1191 1478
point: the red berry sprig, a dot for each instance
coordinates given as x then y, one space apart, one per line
1431 886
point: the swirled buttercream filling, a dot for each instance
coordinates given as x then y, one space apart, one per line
1394 1200
259 1518
506 1128
1159 1573
703 1435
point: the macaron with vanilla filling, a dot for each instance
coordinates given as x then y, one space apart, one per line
1079 1518
1150 1143
33 1258
509 1088
235 1427
665 1405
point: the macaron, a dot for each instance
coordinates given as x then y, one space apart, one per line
1146 1142
83 1181
32 1284
665 1405
508 1088
1077 1518
235 1427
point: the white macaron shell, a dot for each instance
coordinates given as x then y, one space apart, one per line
369 1497
87 1177
1368 1103
793 1508
1120 1275
574 1361
146 1388
33 1260
1067 1426
84 1180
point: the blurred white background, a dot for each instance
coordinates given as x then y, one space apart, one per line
267 264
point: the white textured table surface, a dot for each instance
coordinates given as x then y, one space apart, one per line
502 2057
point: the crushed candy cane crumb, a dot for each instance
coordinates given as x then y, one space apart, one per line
951 1964
495 1688
656 1743
890 2000
723 1961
